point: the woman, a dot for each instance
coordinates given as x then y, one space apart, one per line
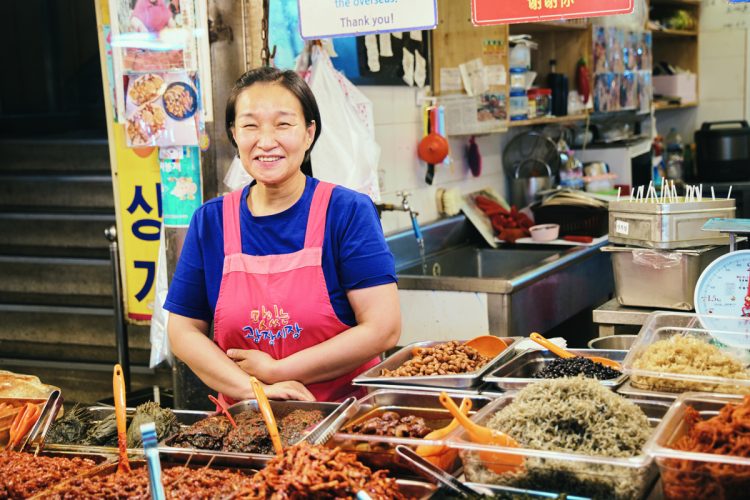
295 273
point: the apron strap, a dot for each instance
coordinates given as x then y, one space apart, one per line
232 238
316 220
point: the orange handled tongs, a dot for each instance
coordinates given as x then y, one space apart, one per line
267 413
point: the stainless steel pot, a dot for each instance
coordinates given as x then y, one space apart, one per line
613 342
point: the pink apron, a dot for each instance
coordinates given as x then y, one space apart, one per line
279 303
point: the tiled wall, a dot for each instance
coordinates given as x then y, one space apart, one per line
398 129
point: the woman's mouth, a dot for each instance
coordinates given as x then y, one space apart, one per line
269 160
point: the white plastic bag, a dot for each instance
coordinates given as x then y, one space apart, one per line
346 152
160 350
237 176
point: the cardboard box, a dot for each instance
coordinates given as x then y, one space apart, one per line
684 86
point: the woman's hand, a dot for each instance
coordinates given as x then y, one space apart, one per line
256 363
288 390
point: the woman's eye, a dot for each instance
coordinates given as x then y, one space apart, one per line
250 125
285 124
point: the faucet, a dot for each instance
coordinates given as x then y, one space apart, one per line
404 207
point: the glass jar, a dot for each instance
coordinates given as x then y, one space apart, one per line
543 101
519 105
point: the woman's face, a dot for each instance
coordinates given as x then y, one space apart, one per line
271 134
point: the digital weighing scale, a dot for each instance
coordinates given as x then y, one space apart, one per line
723 288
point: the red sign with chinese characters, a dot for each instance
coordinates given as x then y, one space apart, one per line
486 12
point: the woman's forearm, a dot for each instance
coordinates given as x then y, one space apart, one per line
210 363
336 356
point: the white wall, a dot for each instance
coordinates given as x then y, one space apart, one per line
398 129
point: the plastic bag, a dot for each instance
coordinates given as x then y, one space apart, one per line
656 259
160 350
237 176
346 152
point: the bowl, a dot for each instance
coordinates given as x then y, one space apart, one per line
545 232
614 342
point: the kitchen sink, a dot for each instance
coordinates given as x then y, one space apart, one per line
520 289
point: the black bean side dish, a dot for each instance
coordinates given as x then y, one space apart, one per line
571 367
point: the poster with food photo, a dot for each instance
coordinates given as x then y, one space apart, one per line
154 35
160 110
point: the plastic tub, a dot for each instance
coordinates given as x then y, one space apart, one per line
697 475
518 79
662 325
519 105
563 472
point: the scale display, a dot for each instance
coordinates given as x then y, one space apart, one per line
723 289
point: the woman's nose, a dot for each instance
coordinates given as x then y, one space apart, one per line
266 138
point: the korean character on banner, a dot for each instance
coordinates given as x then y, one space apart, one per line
140 227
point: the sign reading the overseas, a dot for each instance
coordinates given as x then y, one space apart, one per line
333 18
487 12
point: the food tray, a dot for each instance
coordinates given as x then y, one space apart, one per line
662 325
667 225
9 414
280 409
101 460
517 373
458 381
595 475
736 469
627 390
184 417
378 451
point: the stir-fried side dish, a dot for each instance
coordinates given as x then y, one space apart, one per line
728 433
443 359
681 354
307 471
179 482
250 436
575 415
571 367
23 475
391 423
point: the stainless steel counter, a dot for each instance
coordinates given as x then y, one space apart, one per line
611 314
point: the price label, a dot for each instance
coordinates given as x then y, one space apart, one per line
622 227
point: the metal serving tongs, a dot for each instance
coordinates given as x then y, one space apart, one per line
333 422
429 471
44 421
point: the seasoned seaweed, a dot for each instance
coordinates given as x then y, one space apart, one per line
206 434
71 428
165 420
103 433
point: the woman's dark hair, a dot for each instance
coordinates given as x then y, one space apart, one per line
294 84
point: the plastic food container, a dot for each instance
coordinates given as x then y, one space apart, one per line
667 225
378 452
664 325
519 105
518 79
545 232
661 279
542 101
699 470
563 472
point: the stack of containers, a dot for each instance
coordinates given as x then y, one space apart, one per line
520 62
660 249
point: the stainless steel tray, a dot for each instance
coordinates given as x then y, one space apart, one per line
458 381
378 452
667 225
184 417
517 373
280 410
509 492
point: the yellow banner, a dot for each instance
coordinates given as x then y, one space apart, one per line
139 217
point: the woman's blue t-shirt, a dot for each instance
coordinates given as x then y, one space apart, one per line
355 254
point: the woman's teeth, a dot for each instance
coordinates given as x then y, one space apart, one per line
269 158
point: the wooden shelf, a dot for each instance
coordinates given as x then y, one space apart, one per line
662 106
546 120
674 33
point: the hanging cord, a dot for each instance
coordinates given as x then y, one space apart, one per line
266 56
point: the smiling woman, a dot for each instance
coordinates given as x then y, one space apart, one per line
294 272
